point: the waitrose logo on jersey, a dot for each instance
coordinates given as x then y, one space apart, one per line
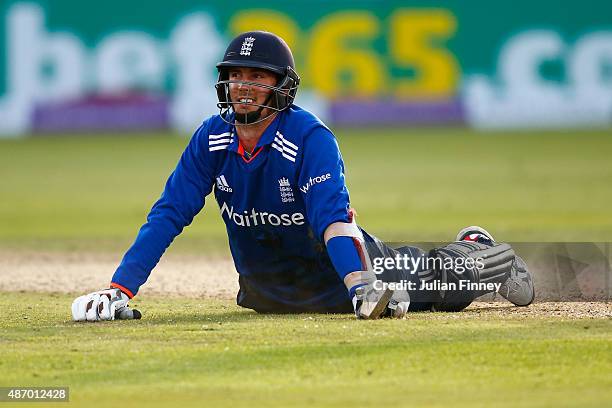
255 218
315 180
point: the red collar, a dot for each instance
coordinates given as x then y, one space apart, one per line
247 157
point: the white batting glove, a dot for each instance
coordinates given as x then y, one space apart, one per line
101 305
370 303
399 303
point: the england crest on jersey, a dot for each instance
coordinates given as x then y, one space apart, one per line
286 192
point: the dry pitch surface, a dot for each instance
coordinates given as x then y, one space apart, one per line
195 276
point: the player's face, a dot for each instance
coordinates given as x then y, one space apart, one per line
250 95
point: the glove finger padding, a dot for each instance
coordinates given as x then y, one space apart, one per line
101 305
115 301
78 308
104 308
91 309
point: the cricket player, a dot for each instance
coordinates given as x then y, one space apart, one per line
278 178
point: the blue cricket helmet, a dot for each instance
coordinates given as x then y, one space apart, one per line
265 50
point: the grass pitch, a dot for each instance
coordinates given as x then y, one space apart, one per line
189 352
93 193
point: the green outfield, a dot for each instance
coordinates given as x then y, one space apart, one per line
211 353
63 196
419 184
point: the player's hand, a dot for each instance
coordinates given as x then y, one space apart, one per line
370 303
398 305
107 304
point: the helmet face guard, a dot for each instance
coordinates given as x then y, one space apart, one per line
280 98
263 50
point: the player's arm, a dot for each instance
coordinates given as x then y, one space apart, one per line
329 213
323 188
327 206
183 197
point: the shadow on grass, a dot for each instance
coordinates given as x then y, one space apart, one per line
477 310
238 316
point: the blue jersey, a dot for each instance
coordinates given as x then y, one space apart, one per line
276 206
